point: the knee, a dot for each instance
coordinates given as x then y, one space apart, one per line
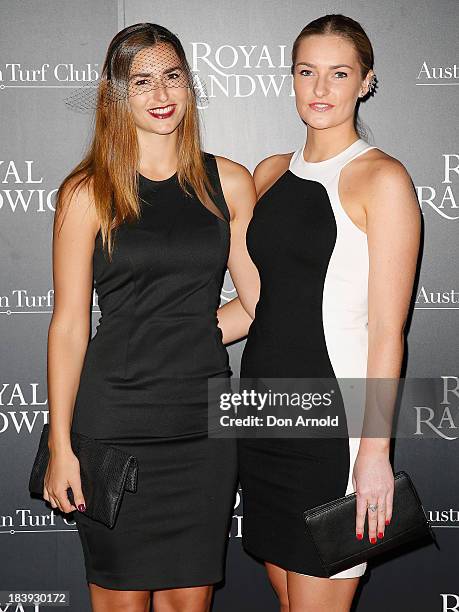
107 600
175 601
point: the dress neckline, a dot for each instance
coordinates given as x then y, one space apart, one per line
156 182
336 158
327 168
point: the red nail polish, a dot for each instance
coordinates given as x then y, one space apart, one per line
380 535
373 540
359 536
81 507
387 521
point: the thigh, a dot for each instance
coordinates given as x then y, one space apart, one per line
110 600
192 599
278 578
320 594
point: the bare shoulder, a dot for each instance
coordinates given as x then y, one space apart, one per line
237 185
229 170
379 184
77 207
269 170
381 171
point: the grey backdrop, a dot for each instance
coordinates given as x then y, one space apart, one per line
45 46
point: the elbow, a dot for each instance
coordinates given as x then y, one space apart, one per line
77 328
387 331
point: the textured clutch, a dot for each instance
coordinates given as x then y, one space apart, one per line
332 528
105 471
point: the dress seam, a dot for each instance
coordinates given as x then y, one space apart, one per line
133 319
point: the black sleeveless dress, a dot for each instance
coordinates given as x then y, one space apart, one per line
143 388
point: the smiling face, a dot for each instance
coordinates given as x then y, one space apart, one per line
327 80
158 89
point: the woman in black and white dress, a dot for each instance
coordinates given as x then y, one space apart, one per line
335 237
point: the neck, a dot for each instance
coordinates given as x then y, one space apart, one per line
326 143
157 154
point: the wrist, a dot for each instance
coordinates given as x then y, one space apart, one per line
372 446
59 446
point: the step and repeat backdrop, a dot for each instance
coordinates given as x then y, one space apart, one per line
241 50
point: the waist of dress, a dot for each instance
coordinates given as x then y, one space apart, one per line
146 314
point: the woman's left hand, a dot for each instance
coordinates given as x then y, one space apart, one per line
373 481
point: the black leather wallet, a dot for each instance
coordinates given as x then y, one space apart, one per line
332 528
105 471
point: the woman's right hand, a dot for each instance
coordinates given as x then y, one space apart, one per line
63 471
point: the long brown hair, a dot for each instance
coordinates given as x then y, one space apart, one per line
110 164
348 28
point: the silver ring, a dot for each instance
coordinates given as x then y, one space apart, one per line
373 507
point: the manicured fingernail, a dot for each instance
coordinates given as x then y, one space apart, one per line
81 507
359 536
380 535
387 521
373 540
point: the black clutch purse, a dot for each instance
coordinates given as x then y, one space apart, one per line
105 471
332 528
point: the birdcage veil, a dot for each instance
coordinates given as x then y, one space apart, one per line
139 61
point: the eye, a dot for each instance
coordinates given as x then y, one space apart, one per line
141 82
173 75
303 71
344 73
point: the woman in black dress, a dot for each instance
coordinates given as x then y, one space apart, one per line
145 216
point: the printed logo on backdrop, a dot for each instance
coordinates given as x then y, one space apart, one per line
242 71
236 525
440 420
442 197
24 301
228 290
23 408
450 602
233 71
437 75
23 75
25 520
427 299
444 517
22 189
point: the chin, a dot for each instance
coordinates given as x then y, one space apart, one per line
165 129
317 125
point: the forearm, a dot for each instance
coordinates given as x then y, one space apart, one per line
233 320
385 354
66 352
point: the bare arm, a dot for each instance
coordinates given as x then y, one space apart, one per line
69 330
236 316
393 233
241 193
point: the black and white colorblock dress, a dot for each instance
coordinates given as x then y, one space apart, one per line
311 321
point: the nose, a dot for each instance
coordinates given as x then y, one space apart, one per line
161 93
321 86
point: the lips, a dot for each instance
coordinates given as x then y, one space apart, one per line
162 112
321 107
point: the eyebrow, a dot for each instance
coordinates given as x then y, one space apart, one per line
147 74
330 67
